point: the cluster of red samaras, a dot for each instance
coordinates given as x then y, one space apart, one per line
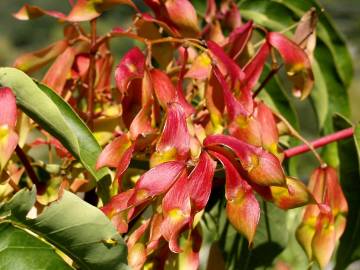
177 119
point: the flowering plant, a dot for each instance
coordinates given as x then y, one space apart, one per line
190 148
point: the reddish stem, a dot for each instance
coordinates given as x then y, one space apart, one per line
91 78
270 75
342 134
29 169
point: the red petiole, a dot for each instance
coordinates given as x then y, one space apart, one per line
340 135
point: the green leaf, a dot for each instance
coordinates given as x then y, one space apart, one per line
22 251
319 94
76 228
266 13
349 155
56 116
270 239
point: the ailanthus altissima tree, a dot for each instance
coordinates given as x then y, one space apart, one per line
183 147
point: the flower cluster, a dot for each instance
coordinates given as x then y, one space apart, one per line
323 224
189 111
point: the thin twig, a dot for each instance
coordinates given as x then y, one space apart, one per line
270 75
14 186
293 132
91 76
149 42
29 169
